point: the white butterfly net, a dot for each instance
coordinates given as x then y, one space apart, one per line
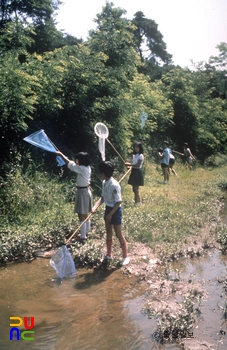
41 140
143 118
102 132
63 263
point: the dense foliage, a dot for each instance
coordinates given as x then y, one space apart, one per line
55 82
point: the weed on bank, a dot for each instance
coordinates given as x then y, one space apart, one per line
37 213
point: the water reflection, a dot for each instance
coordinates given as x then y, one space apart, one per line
94 310
101 309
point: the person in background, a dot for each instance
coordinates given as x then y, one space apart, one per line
111 196
136 176
83 200
171 163
188 156
165 156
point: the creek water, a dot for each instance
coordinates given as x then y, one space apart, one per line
101 309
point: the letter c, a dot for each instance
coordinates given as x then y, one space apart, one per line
26 332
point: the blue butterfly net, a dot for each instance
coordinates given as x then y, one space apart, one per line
41 140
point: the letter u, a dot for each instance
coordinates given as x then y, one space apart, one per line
32 321
11 333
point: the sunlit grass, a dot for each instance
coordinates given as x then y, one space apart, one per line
34 206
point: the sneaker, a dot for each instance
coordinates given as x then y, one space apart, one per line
125 261
107 257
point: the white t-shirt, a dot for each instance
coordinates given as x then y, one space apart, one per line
111 192
83 173
136 157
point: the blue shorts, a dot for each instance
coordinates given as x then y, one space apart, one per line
117 216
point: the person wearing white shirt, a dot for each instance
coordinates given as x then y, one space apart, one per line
136 176
111 196
83 200
165 156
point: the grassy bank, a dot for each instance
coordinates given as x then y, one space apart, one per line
37 213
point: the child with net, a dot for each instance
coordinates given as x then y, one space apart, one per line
83 200
111 196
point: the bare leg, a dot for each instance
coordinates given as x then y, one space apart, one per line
136 194
166 173
83 228
171 169
109 234
120 236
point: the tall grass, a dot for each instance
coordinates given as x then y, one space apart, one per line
177 212
37 207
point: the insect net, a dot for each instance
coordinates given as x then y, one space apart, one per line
63 263
143 118
102 132
41 140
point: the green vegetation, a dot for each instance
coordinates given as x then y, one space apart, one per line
50 80
37 213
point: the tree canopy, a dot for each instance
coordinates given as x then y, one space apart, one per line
66 86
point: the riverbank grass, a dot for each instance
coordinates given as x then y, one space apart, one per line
37 212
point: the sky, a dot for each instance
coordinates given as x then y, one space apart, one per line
191 29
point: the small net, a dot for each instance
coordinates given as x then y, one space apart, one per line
143 118
41 140
102 132
63 263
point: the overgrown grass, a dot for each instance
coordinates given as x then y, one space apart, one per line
37 211
174 213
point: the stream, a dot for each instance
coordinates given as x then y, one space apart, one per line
101 309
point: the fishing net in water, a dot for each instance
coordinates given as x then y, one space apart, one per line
63 263
102 132
41 140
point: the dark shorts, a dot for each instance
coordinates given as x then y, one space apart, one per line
171 161
163 165
117 216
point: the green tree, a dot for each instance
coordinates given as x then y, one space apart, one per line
179 85
220 61
27 10
41 14
18 89
114 38
149 40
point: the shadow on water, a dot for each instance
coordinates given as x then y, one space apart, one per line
101 309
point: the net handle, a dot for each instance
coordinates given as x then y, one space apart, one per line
97 204
115 150
51 142
181 154
78 228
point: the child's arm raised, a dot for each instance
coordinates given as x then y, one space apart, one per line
58 153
